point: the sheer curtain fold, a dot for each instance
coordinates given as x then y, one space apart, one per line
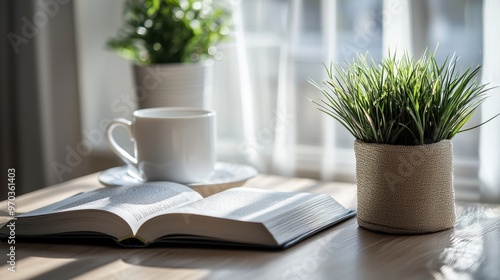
489 172
397 27
247 99
328 125
267 58
284 156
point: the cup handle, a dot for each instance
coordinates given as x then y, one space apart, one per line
119 151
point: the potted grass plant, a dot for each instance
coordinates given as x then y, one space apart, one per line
403 114
171 43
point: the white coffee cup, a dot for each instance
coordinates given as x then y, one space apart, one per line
170 144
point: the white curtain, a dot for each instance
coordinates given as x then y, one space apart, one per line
282 44
490 133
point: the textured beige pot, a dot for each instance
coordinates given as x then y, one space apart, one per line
405 189
174 85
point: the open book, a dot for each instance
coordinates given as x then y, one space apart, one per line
173 213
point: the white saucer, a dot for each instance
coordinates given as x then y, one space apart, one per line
226 175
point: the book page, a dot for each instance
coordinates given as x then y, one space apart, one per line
135 204
250 216
245 204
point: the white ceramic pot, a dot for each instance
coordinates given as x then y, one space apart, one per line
405 189
174 85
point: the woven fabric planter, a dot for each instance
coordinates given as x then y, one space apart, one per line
405 189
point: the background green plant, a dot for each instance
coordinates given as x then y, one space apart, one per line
401 101
171 31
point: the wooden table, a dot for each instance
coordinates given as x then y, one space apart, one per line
469 251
